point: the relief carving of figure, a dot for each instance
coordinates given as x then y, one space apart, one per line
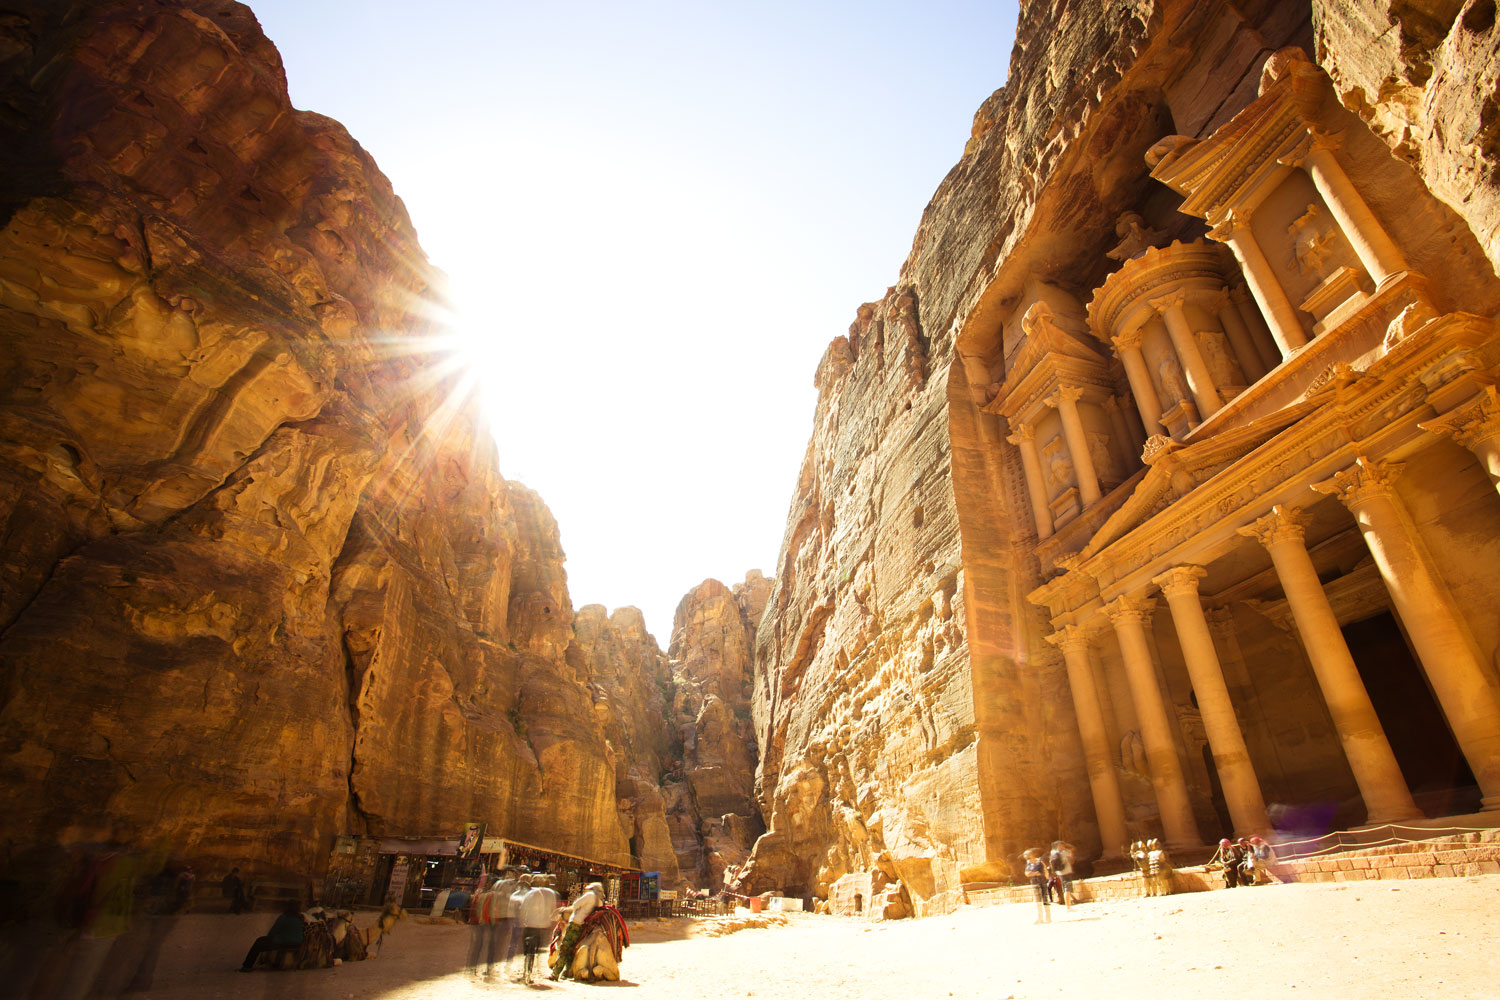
1173 386
1312 242
1135 237
1222 366
1059 464
1104 463
1133 754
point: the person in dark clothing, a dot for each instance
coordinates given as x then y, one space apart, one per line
233 888
285 935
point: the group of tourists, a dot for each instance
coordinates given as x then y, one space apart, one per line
1151 860
1242 861
520 914
1051 876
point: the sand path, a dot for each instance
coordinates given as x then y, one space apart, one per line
1420 939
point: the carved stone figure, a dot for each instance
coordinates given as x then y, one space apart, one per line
1135 237
1222 366
1173 386
1059 463
1312 242
1104 463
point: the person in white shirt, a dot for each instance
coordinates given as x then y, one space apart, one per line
586 903
538 912
501 916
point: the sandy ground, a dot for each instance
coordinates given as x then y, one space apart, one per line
1429 939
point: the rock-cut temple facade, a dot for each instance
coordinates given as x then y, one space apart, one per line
1203 463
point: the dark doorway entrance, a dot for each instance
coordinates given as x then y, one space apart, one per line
1434 768
1216 792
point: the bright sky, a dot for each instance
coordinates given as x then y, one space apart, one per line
655 216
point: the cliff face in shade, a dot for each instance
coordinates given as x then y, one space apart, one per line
260 581
716 818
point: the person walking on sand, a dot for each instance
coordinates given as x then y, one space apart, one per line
1036 871
586 903
537 913
1061 860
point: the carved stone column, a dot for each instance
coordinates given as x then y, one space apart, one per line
1239 337
1104 783
1205 393
1372 244
1286 328
1260 334
1241 788
1381 784
1476 426
1120 438
1129 616
1024 438
1458 675
1128 346
1066 401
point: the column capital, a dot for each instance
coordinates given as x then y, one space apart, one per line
1282 524
1071 638
1130 339
1021 431
1130 608
1180 580
1228 226
1172 300
1217 301
1065 393
1111 404
1363 481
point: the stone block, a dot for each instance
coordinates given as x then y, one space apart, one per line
1489 867
1442 871
1360 863
1345 864
1390 872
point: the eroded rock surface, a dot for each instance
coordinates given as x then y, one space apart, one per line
716 820
261 582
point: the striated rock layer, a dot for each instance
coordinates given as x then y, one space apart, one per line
912 722
717 819
260 581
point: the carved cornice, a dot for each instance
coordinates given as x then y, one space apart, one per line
1163 271
1470 424
1362 482
1283 524
1180 581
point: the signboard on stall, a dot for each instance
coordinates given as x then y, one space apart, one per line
396 890
471 841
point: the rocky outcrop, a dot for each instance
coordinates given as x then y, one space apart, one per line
631 682
1424 76
716 818
260 580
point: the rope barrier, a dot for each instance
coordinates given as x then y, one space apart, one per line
1345 840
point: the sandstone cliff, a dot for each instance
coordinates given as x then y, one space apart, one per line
631 682
260 580
716 819
911 721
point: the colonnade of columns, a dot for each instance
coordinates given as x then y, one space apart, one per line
1255 358
1466 691
1376 251
1065 400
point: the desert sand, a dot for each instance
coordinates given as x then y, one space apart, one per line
1428 939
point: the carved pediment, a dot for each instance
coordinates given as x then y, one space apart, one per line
1177 470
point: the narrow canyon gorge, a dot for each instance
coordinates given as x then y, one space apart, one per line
1201 275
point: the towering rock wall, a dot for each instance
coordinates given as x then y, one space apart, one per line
716 817
260 581
911 719
631 681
